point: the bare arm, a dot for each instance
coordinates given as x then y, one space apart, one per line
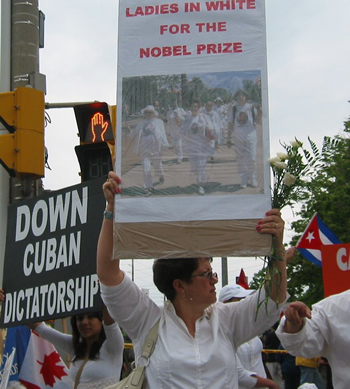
291 253
273 224
108 270
265 383
107 319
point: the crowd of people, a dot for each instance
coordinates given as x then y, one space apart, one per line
202 342
196 133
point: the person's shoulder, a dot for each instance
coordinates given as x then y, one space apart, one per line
340 300
220 308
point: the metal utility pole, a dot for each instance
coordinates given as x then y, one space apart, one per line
5 66
25 42
21 38
224 271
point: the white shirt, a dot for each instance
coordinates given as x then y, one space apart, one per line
179 360
150 137
99 373
249 354
326 334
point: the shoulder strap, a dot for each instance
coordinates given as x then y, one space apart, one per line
77 378
150 341
138 374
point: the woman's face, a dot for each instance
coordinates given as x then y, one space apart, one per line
195 108
241 99
89 326
202 289
149 115
209 106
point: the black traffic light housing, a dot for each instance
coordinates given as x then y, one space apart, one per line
96 133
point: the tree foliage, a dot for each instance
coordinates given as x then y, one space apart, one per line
328 194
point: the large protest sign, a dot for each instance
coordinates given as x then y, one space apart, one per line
192 129
50 255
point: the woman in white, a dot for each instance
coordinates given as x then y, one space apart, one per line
242 126
198 138
197 336
216 121
252 374
97 339
150 142
175 118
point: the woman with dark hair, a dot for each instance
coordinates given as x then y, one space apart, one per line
82 345
197 336
95 347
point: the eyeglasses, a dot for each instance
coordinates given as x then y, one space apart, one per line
209 275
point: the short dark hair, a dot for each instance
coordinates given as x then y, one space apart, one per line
241 92
79 343
166 270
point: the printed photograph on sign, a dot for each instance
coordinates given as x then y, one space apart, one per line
192 135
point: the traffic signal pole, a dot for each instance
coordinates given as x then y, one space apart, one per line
20 37
5 74
24 71
24 42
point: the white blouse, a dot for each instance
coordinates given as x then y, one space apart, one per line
180 360
97 373
326 334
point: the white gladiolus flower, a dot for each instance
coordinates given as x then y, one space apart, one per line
280 165
274 160
295 143
289 179
282 156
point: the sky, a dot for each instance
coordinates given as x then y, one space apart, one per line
308 56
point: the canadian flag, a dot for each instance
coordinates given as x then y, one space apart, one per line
37 365
315 236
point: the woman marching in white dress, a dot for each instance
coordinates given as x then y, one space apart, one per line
151 141
198 135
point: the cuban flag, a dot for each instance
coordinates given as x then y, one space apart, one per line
36 363
316 235
242 280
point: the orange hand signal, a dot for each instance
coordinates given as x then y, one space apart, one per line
98 125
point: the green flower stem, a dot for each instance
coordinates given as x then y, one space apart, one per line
275 282
300 163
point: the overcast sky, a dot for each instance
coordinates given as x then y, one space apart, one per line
308 56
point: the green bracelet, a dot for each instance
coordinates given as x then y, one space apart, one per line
108 215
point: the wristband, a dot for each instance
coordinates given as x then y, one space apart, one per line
108 215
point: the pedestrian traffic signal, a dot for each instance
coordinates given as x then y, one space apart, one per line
22 150
96 126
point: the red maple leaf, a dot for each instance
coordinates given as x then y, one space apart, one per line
29 385
50 369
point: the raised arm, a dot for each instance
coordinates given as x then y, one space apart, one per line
273 224
108 269
107 319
